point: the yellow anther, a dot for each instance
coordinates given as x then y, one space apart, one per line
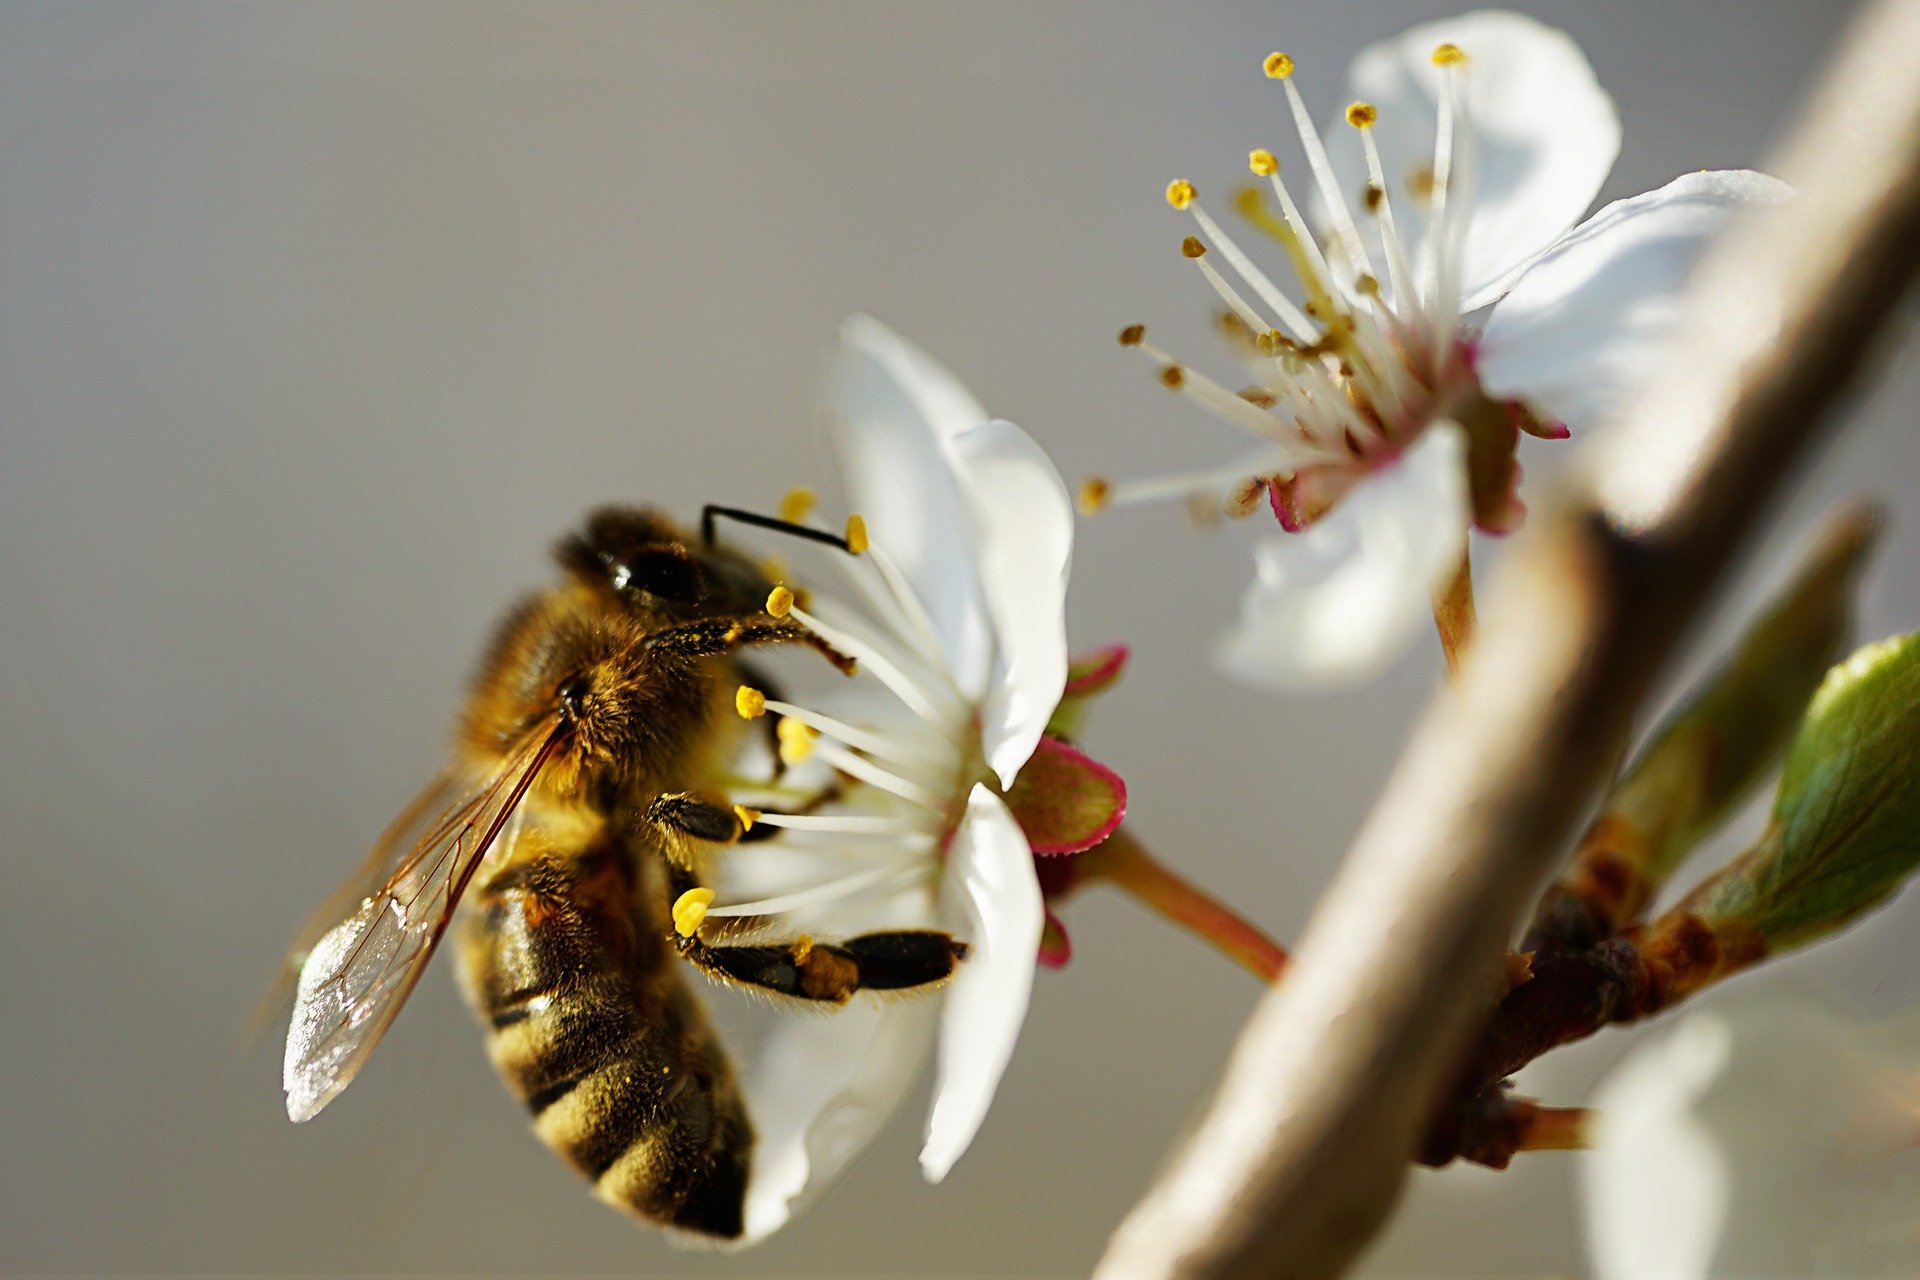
1174 377
1180 193
797 505
746 816
857 540
1361 115
1367 286
1448 55
749 702
690 911
1192 248
779 602
1263 162
796 740
1133 335
1278 66
1093 495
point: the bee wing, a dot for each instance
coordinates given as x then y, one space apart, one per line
361 970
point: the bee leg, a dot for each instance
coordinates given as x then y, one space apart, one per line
709 637
828 972
684 820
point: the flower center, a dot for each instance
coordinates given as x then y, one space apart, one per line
1350 376
902 774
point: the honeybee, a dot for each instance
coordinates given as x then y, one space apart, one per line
585 768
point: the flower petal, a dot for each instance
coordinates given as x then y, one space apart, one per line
896 412
990 886
1023 523
819 1092
1764 1136
1545 135
1656 1184
1587 321
1336 602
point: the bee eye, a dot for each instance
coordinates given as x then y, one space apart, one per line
571 693
667 574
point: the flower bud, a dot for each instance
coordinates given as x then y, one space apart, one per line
1845 831
1707 757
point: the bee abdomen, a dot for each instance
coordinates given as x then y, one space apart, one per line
607 1050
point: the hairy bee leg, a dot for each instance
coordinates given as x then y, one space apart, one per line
828 972
684 816
688 815
710 637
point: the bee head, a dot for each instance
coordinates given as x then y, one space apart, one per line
653 569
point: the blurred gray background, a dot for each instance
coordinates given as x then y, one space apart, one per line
318 324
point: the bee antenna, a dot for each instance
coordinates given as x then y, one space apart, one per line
712 511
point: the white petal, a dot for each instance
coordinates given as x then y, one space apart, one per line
1335 603
1024 520
1545 135
1656 1184
993 892
1583 325
1764 1136
896 411
821 1089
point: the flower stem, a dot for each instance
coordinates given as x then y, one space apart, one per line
1557 1129
1123 862
1453 614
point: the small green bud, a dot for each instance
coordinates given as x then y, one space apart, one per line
1708 756
1845 831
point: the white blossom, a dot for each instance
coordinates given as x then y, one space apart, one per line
1442 279
960 638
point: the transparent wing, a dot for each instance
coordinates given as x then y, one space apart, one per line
361 970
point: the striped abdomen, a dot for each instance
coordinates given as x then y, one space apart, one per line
591 1025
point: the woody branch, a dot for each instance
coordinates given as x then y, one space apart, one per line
1301 1154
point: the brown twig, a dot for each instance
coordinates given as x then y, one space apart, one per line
1301 1155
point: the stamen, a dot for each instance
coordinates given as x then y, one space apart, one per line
1442 183
857 540
832 889
1303 250
884 668
749 702
779 602
850 824
1180 193
1193 249
1212 482
1132 335
1093 495
1399 271
874 776
1278 66
690 911
747 816
797 505
796 740
1323 176
1282 306
1448 55
908 603
1215 397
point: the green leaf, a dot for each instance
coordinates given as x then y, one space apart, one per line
1845 832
